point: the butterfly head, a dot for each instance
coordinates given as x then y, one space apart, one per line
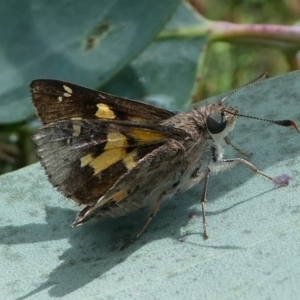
221 122
216 119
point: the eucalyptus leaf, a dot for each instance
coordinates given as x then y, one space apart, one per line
254 227
164 73
85 42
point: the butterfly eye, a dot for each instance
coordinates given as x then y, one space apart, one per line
216 123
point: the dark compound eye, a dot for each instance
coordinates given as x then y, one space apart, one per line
216 123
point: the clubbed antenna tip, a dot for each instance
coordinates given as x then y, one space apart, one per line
288 123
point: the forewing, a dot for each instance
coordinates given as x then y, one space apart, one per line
57 100
84 158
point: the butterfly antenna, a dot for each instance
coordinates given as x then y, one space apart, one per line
286 123
259 78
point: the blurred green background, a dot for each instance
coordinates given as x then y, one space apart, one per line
168 53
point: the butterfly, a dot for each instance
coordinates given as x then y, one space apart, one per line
114 155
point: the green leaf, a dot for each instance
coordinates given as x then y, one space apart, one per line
85 42
254 228
164 73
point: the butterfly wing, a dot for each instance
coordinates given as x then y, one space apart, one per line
156 174
85 158
57 100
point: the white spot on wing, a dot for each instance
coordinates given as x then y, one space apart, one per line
67 89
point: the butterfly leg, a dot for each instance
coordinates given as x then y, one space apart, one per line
202 201
228 142
230 163
151 216
222 166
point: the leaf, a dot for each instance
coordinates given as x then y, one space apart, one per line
82 42
164 73
254 228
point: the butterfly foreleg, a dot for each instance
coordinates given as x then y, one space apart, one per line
225 164
228 142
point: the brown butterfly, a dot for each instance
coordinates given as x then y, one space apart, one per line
116 155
